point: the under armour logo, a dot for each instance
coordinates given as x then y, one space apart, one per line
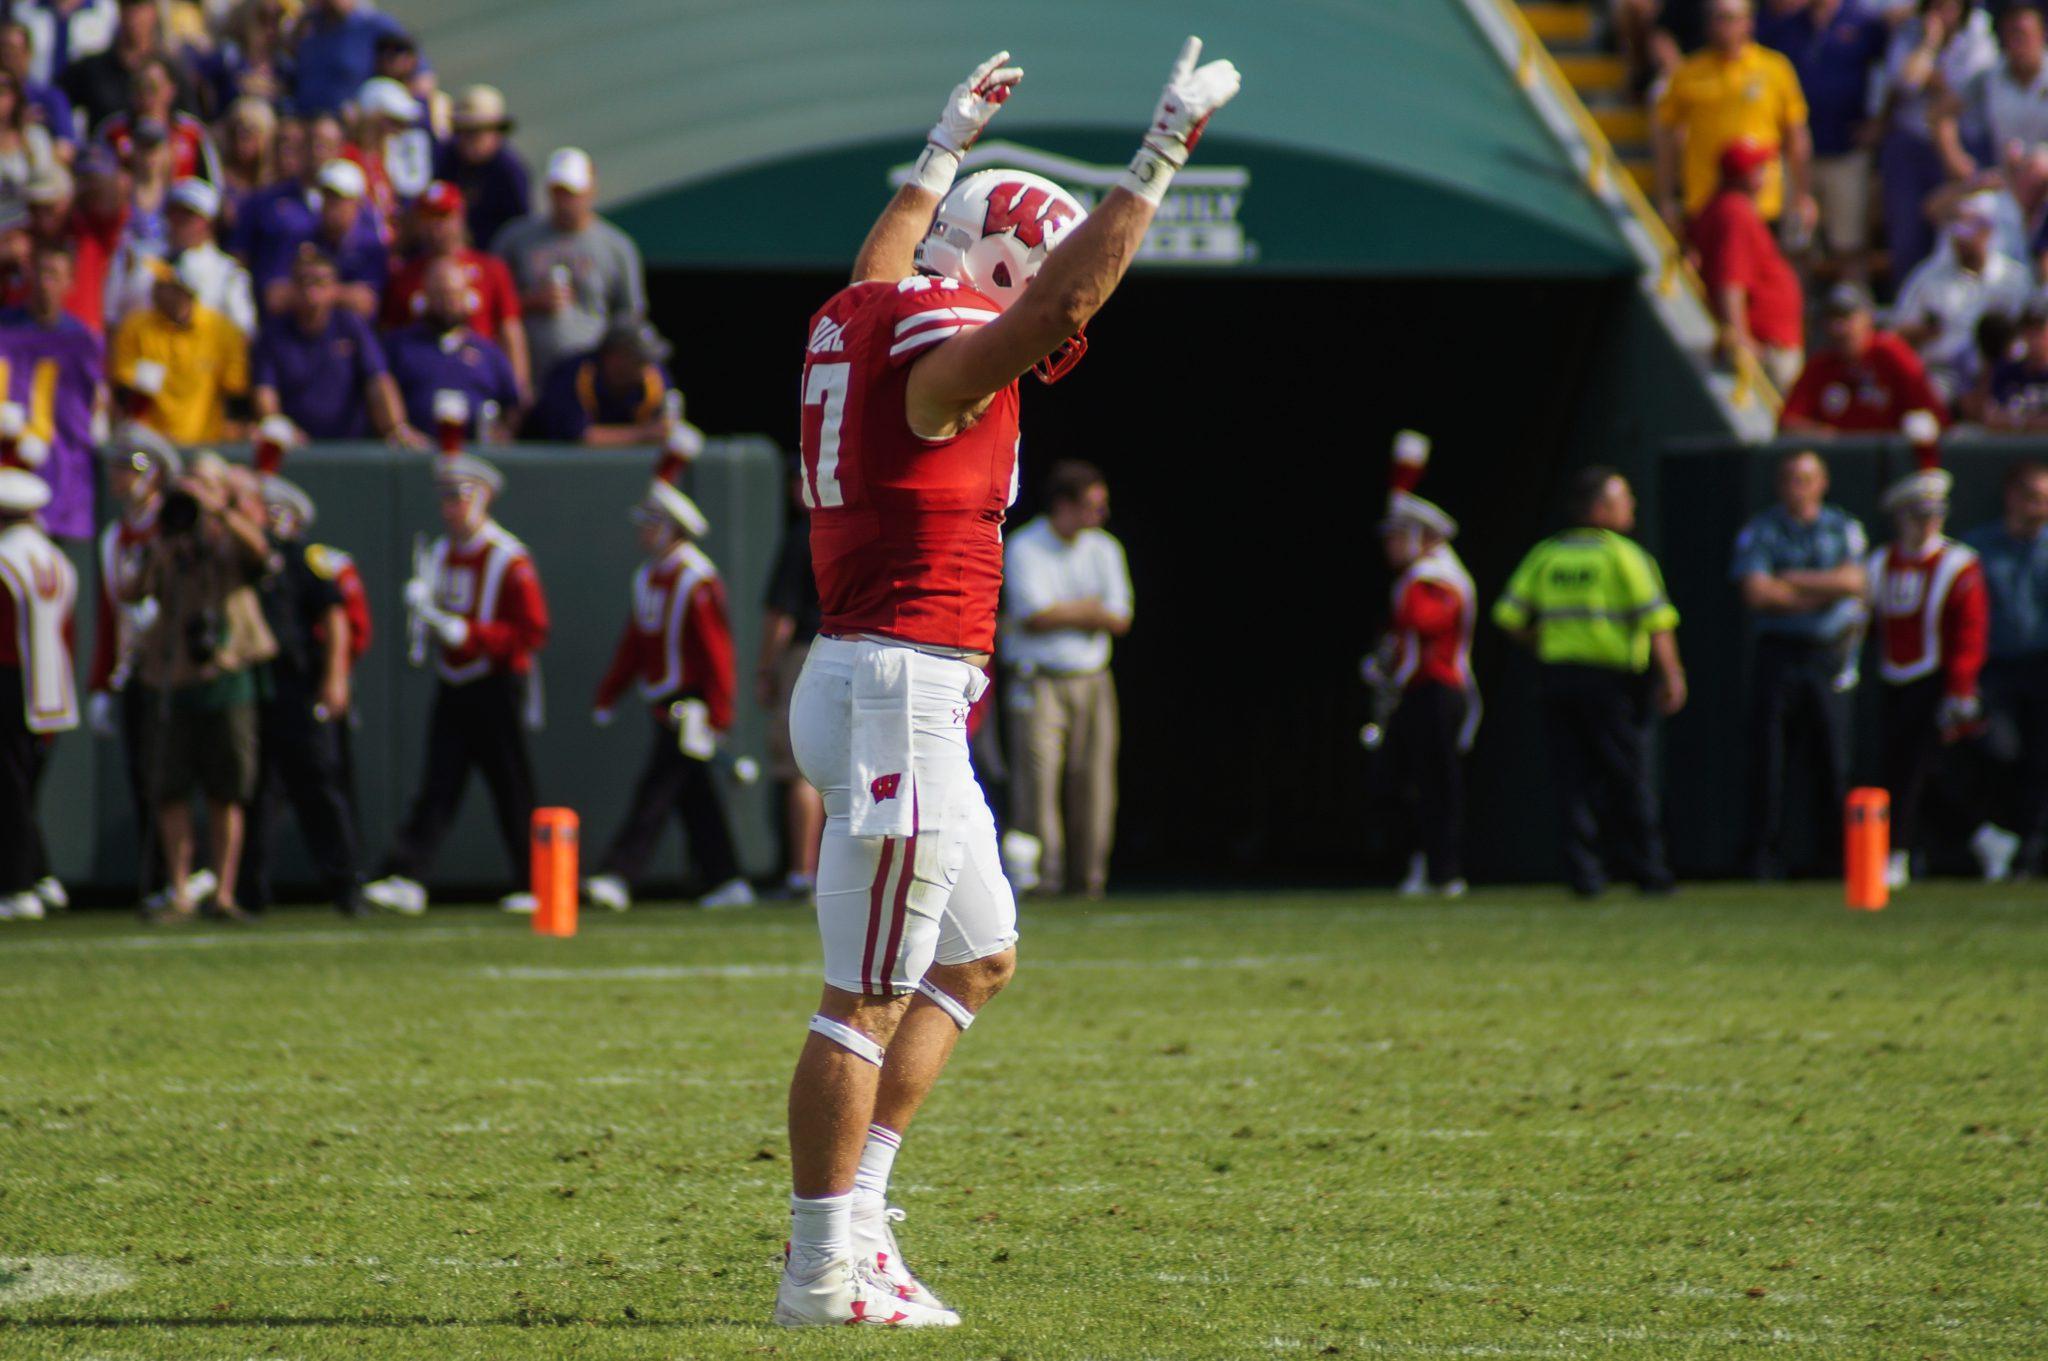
884 787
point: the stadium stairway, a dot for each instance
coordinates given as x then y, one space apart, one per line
1579 91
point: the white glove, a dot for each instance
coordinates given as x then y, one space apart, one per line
419 595
973 102
99 714
601 717
1191 95
451 629
694 733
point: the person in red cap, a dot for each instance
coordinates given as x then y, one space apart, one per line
441 228
1754 293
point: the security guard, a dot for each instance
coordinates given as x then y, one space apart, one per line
1799 566
303 710
1591 603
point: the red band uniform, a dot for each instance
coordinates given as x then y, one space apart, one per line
677 650
486 619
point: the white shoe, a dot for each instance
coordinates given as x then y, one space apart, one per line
21 907
847 1293
874 1243
519 904
797 884
608 891
396 893
731 893
199 885
1021 853
51 890
1898 871
1416 885
1994 848
1454 889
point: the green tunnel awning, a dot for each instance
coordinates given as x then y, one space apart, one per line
1373 137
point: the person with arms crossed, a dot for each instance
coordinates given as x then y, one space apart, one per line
1800 568
909 456
1067 593
1591 603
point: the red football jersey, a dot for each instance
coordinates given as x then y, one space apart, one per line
1932 613
906 533
1871 393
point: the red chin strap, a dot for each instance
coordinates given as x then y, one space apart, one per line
1060 362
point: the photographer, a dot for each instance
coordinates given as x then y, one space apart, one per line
198 659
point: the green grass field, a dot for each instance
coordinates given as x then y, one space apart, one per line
1332 1125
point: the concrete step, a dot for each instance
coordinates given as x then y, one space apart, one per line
1560 21
1594 75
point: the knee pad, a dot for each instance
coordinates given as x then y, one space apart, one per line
945 1002
847 1038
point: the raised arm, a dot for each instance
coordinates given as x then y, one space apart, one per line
886 254
957 379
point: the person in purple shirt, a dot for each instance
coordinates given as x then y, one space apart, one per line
47 104
320 364
56 370
342 226
482 164
272 221
441 354
335 48
613 395
1836 47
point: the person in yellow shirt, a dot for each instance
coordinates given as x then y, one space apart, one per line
182 361
1733 88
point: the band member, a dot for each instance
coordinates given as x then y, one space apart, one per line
1933 623
37 697
677 647
1423 668
478 606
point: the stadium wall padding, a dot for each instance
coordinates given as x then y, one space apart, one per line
569 505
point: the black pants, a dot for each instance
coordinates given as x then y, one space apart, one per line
474 726
302 763
1794 703
672 783
23 756
138 703
1429 777
1597 723
2016 699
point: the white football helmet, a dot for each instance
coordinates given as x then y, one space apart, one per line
993 232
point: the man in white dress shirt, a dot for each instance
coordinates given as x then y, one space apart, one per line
1066 594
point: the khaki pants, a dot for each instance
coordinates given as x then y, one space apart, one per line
1063 743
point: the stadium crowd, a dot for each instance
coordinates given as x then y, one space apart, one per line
1879 164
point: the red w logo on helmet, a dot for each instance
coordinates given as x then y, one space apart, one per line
884 787
1026 210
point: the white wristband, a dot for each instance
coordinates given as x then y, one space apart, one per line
1148 175
936 166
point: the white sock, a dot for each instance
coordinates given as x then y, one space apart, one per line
877 1157
820 1233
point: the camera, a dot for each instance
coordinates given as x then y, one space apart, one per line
179 514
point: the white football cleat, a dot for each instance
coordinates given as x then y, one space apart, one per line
1416 885
9 906
51 890
1898 871
608 891
1454 889
396 893
21 907
731 893
1021 853
519 904
1994 848
847 1294
874 1243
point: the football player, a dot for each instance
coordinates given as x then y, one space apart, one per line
909 445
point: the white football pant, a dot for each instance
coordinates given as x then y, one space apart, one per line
888 906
